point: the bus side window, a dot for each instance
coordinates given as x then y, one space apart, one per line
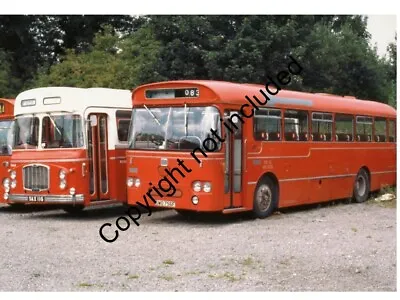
296 125
380 129
267 125
123 120
344 128
392 131
363 129
321 127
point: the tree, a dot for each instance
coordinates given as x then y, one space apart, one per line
392 71
5 75
113 61
35 43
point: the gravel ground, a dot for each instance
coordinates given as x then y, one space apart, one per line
336 247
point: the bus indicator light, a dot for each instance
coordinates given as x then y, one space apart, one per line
195 200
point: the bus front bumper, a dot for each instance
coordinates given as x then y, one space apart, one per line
48 199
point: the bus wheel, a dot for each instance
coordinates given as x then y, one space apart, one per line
73 210
361 186
265 198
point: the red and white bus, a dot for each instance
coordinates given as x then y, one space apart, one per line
69 147
297 148
6 120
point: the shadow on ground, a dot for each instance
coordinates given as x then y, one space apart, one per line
158 216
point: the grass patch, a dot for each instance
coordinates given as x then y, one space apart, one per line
247 261
85 284
135 276
227 275
385 189
354 229
168 262
194 273
166 277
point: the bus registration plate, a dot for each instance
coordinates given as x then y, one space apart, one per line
164 203
36 198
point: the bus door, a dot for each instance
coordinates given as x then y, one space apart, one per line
98 157
233 163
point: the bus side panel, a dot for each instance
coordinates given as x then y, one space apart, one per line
117 174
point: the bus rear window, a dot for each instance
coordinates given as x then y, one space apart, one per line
267 125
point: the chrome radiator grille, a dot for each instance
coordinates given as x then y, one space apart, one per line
36 177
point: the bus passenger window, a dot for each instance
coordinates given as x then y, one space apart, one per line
296 125
380 129
363 129
123 120
123 129
344 128
321 127
267 125
392 131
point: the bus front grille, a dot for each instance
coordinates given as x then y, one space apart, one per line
36 177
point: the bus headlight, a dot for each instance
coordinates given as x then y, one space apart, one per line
137 182
6 183
63 184
13 174
61 174
207 187
129 182
72 191
196 186
5 196
13 184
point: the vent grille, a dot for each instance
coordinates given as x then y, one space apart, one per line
36 178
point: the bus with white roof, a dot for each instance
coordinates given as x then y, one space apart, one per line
69 147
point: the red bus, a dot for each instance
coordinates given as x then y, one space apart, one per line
69 147
6 120
292 148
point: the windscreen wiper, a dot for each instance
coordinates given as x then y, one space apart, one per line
54 124
154 117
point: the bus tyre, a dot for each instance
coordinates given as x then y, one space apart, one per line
361 186
73 210
265 198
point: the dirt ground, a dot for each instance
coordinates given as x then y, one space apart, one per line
333 247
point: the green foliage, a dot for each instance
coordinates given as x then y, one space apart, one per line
392 71
342 63
124 51
7 81
113 62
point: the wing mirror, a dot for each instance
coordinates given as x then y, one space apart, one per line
93 120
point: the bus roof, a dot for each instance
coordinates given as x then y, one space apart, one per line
11 101
6 108
70 99
234 93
